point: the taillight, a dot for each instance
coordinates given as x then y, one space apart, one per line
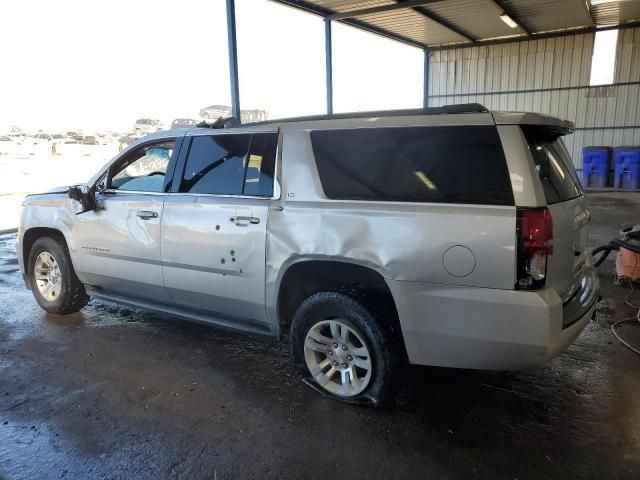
535 236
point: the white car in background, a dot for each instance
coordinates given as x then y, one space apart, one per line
147 125
40 138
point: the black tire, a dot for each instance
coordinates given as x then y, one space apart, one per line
386 356
72 296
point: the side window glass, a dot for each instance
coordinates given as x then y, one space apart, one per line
144 169
216 164
261 164
462 164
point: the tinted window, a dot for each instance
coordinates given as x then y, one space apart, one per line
231 164
216 164
553 164
260 165
414 164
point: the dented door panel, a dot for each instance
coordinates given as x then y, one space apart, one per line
213 253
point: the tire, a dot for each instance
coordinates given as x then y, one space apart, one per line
313 321
67 294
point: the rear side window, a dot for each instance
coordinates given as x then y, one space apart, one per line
553 164
215 164
260 165
230 164
462 164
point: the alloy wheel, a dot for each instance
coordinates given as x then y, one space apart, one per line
47 276
338 358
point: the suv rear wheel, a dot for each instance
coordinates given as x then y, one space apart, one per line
343 349
54 283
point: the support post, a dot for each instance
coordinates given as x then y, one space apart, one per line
425 94
328 65
233 58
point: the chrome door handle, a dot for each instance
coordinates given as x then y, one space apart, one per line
239 220
146 214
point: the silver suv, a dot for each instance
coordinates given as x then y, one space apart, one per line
450 236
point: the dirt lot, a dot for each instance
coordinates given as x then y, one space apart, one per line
115 393
28 168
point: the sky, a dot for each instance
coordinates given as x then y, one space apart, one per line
82 64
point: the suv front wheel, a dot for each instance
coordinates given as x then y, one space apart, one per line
53 281
343 349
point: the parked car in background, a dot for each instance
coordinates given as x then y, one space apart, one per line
8 144
15 131
125 140
147 125
59 138
449 236
90 140
39 138
213 112
183 123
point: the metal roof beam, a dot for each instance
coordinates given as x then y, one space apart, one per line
381 9
587 7
442 21
325 12
537 36
506 9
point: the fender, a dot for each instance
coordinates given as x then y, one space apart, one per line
53 211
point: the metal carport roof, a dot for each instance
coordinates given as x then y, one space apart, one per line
439 23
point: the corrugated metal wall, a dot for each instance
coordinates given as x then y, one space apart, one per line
548 76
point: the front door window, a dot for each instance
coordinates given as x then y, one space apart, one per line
145 169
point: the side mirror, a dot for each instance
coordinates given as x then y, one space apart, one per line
85 196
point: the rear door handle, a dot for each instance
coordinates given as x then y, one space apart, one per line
240 220
146 214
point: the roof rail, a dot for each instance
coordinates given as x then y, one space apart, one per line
446 109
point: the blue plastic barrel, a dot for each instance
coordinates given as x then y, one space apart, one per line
596 162
626 168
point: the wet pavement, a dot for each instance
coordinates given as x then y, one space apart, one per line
121 394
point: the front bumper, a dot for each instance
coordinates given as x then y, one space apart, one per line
483 328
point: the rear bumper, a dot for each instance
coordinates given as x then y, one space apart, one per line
482 328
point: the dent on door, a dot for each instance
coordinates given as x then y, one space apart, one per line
213 254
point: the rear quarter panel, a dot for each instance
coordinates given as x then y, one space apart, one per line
401 240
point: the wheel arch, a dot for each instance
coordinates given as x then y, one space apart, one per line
30 237
303 277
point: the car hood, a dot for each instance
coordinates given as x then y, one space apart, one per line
61 189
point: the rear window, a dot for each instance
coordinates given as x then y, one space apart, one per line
463 164
553 164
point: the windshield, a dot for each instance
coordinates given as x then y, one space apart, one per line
553 164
